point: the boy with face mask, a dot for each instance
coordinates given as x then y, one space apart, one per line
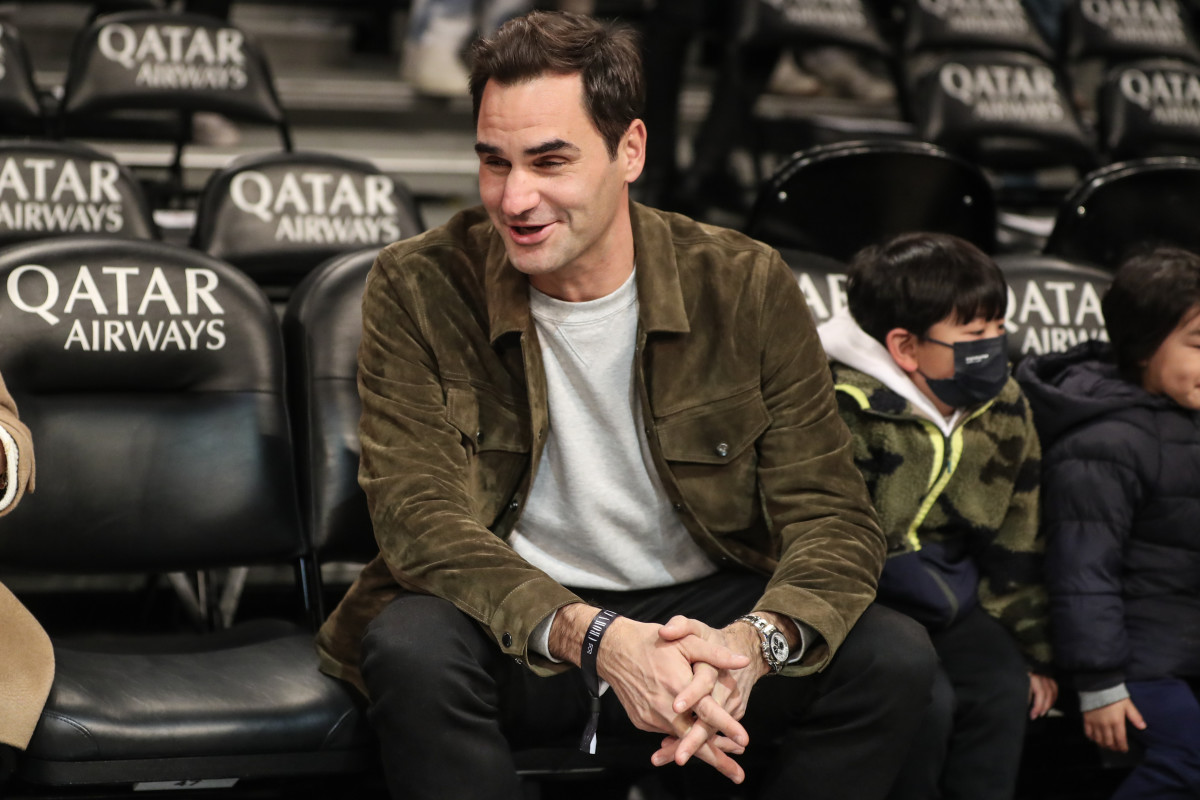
945 440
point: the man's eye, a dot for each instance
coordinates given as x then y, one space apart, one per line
552 164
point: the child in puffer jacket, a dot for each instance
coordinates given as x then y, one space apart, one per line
1121 512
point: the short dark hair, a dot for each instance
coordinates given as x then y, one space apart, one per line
606 56
1152 294
916 280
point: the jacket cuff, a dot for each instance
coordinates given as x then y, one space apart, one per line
1097 681
519 614
825 625
8 492
1090 701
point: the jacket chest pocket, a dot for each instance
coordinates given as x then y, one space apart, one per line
711 452
496 441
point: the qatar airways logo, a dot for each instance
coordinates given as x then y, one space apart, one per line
1171 97
320 207
1137 21
177 56
1002 93
823 13
124 309
980 16
60 195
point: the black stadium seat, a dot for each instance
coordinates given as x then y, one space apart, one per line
836 199
1120 208
1053 304
277 215
151 377
141 74
322 327
52 188
21 111
1005 110
1150 107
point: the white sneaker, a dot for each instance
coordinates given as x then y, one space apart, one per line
433 64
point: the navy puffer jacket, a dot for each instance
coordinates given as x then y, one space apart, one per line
1121 511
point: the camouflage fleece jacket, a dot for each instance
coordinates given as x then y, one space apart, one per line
960 511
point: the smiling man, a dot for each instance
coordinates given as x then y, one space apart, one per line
601 450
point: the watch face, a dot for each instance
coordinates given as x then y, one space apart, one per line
779 646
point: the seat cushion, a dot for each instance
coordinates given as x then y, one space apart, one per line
252 689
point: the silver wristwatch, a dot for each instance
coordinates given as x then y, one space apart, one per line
775 648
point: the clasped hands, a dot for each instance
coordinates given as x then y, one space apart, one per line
688 681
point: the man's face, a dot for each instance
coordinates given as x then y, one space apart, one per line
558 200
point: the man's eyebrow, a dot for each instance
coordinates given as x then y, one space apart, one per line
486 149
549 147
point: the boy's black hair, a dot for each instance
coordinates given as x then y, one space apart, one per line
916 280
1153 293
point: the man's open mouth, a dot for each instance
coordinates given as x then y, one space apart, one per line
526 230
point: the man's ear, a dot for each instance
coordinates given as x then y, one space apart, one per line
902 347
633 148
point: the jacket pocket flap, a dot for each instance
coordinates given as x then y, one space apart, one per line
486 422
715 433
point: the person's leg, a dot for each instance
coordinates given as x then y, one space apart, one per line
844 732
1170 767
991 687
920 776
436 683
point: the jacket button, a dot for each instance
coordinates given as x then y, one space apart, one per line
515 504
722 449
677 506
478 437
506 640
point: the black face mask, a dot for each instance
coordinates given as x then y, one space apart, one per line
980 372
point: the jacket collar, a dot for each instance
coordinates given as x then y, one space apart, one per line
660 294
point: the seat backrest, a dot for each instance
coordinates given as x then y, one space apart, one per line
322 328
53 188
1151 107
1002 109
836 199
20 107
1114 31
849 23
151 377
822 280
1052 304
1123 207
947 25
166 61
278 215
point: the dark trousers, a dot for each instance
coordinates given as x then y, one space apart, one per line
969 744
449 707
1170 767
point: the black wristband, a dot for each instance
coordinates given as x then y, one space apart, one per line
591 649
587 663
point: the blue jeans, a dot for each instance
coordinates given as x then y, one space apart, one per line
1171 766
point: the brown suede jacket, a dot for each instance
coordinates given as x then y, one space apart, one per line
741 415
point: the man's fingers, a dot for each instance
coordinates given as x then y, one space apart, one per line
717 718
1135 717
680 626
704 679
1118 736
697 649
716 757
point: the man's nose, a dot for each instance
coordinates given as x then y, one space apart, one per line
520 193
